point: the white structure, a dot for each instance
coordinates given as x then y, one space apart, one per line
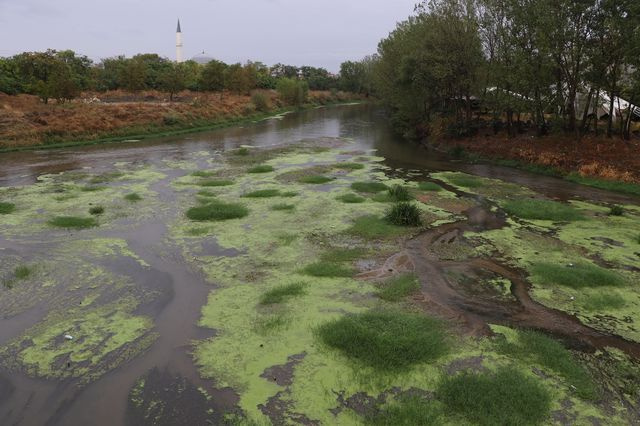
179 44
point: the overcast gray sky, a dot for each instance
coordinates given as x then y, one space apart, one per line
298 32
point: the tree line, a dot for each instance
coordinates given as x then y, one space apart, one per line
63 75
544 64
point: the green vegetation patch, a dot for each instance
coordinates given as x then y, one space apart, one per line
404 214
343 254
22 272
328 269
506 397
534 347
262 193
598 302
577 275
96 210
373 227
530 208
134 197
349 166
400 193
263 168
316 179
92 188
609 185
203 173
6 208
73 222
465 181
283 207
429 186
407 411
282 293
351 198
386 340
217 211
369 187
215 182
399 287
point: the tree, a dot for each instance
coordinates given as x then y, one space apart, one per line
133 75
212 76
173 79
293 91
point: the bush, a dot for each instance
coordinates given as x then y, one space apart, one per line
399 193
616 211
6 208
386 340
260 101
73 222
293 92
404 214
217 211
96 210
530 208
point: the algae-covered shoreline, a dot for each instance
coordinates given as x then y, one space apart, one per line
239 286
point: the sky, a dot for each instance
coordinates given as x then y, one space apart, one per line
321 33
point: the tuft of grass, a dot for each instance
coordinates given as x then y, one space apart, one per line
203 173
399 193
535 347
206 193
197 232
386 340
6 208
217 211
73 222
349 166
262 193
616 211
407 411
263 168
404 214
609 185
286 238
283 207
369 187
343 254
399 287
601 301
96 210
466 181
215 182
92 188
315 179
282 293
429 186
351 198
373 227
271 323
289 194
506 397
134 197
328 269
243 152
577 276
22 272
530 208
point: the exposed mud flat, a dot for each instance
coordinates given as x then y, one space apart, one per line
170 320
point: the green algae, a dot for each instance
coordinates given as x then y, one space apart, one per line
316 179
429 186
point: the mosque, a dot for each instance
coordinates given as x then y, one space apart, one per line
200 58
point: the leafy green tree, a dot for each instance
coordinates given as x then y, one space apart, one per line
293 91
212 76
133 75
173 79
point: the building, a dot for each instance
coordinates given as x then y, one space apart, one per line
179 56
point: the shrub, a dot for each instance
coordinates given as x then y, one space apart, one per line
328 269
399 287
6 208
292 91
541 210
616 211
507 397
73 222
262 193
260 101
282 293
133 197
96 210
429 186
404 214
576 276
369 187
399 193
351 198
386 340
217 211
261 169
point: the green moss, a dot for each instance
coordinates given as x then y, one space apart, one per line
506 397
215 182
217 211
73 222
465 181
261 169
351 198
577 275
328 269
373 227
6 208
316 179
133 197
369 187
386 340
283 207
262 193
398 288
429 186
282 293
541 210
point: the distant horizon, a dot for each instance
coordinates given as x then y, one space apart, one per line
268 31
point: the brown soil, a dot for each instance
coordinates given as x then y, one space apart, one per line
614 158
26 121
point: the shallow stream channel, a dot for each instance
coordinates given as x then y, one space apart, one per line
312 268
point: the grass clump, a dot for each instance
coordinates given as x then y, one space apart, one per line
289 194
215 182
206 193
73 222
282 293
133 197
243 152
315 179
535 347
262 193
217 211
92 188
609 185
407 411
22 272
326 269
349 166
369 187
263 168
203 173
616 211
96 210
283 207
270 324
404 214
386 340
429 186
351 198
373 227
466 181
6 208
577 276
506 397
343 254
399 287
541 210
601 301
400 193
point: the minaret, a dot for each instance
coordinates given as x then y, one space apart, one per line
179 44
